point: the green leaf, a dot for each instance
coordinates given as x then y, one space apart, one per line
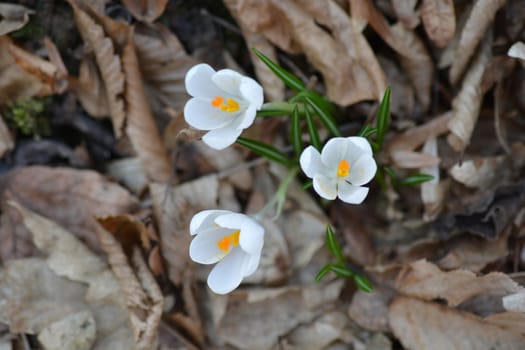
265 150
324 270
288 78
295 132
332 244
341 271
363 283
416 179
390 172
312 131
367 131
272 109
326 118
308 184
383 117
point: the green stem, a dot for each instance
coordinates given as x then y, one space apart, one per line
271 109
279 197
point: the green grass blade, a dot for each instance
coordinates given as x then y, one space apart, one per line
326 118
315 140
323 272
288 78
383 117
332 244
264 150
363 283
416 179
295 132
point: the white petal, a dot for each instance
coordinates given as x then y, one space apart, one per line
351 194
252 92
362 143
248 118
333 152
362 171
310 161
204 248
227 274
202 115
221 138
228 81
251 264
354 152
251 238
199 82
231 220
325 187
205 219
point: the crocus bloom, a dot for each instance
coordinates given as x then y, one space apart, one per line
224 102
232 240
340 170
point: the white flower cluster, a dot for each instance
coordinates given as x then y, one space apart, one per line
224 103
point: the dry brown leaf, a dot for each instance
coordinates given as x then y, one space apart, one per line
70 197
321 332
403 97
108 63
13 17
478 173
147 11
413 160
512 321
273 86
479 20
141 128
406 13
6 141
163 63
143 296
174 208
89 89
426 281
74 332
415 137
433 191
424 325
466 105
245 321
439 20
130 172
370 310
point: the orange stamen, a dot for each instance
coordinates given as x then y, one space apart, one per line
217 101
343 169
226 241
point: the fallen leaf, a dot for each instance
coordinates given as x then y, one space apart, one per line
426 281
130 172
433 191
147 11
141 128
480 18
511 321
479 173
108 63
466 105
73 332
425 325
406 13
439 20
370 310
319 333
6 141
13 17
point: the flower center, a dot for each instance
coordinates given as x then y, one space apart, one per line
227 105
343 169
226 241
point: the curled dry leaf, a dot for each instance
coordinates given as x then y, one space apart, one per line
141 127
405 12
174 208
370 310
163 63
415 137
478 173
13 17
6 141
466 105
273 86
108 63
73 332
130 172
147 11
425 325
439 20
481 16
424 280
143 296
433 191
89 88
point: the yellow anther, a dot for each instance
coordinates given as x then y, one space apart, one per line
343 169
230 106
226 241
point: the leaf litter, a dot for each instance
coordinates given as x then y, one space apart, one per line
106 245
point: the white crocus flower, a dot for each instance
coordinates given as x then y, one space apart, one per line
224 102
340 170
232 240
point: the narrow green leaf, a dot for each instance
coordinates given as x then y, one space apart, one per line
416 179
308 184
383 117
295 132
272 109
380 178
390 172
341 271
324 270
367 131
363 283
332 244
265 150
326 118
288 78
312 130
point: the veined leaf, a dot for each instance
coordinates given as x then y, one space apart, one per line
288 78
312 131
295 132
332 244
265 150
416 179
341 271
363 283
383 117
326 118
323 272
